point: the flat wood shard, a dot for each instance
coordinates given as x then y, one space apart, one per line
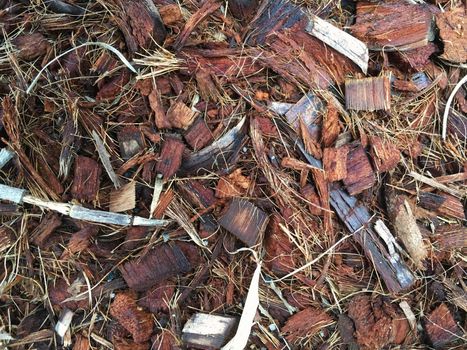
171 157
393 26
244 220
368 94
360 174
162 262
206 331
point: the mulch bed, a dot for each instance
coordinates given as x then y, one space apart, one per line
174 171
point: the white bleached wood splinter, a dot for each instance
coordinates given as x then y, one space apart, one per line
240 340
20 196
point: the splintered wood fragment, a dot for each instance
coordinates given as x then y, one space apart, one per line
180 115
243 9
441 327
86 180
207 331
435 184
385 155
356 217
335 163
162 122
244 220
342 42
163 204
197 194
233 185
5 156
140 23
133 318
217 155
80 240
105 159
198 135
171 157
131 141
160 263
451 237
314 201
292 163
307 109
405 226
368 94
124 198
206 9
442 204
306 323
44 230
156 193
360 174
452 25
394 26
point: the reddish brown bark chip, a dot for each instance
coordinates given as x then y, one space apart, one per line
335 163
306 323
158 297
81 343
331 126
162 122
171 14
86 180
441 327
180 115
162 262
368 94
310 194
244 220
171 157
452 27
80 240
385 155
31 46
198 135
278 248
442 204
131 141
64 294
44 230
134 319
360 174
378 322
395 24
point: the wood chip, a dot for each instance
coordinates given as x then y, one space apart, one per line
171 157
368 94
124 198
441 327
360 174
180 115
452 25
335 163
244 220
385 155
160 263
86 179
208 331
136 321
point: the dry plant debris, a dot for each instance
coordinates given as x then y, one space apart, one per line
207 174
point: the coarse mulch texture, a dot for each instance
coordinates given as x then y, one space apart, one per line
242 130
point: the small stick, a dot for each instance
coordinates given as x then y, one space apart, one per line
105 159
19 196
